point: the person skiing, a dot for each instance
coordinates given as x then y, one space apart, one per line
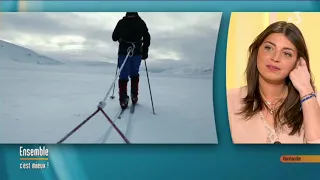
131 29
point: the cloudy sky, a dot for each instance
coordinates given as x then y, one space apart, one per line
188 37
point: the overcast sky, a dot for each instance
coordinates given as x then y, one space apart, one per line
87 36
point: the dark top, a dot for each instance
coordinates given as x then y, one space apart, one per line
132 29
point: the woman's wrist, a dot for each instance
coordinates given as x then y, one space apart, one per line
306 91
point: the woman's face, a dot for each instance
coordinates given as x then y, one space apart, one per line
276 58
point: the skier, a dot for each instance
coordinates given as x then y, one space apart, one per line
131 29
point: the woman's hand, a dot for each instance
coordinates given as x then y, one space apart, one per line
300 78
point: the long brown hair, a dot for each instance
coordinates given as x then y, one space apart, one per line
289 111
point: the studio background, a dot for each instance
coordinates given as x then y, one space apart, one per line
244 27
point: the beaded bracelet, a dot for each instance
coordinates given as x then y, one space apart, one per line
306 97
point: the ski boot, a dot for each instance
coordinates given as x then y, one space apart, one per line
123 97
134 89
124 102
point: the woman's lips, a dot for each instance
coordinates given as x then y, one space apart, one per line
273 68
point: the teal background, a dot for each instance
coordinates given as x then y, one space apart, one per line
223 161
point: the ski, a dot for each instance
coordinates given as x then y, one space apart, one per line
123 110
132 108
129 121
121 113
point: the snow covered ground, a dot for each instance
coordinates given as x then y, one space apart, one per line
44 99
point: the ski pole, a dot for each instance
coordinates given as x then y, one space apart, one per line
130 52
112 97
145 63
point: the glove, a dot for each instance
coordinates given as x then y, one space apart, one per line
144 52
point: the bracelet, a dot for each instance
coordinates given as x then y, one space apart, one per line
310 94
306 97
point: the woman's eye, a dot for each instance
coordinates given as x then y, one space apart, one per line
268 48
288 54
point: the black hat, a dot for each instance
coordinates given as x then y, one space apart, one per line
132 14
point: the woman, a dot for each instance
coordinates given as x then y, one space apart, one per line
279 103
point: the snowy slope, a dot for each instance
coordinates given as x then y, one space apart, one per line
170 67
88 63
163 67
15 53
41 104
12 54
192 69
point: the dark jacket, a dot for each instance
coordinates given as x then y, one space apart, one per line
132 29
